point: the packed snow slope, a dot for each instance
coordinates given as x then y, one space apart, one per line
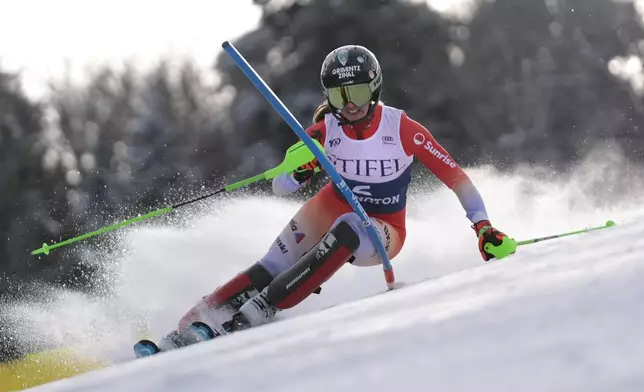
561 315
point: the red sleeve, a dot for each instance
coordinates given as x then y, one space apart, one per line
417 141
317 131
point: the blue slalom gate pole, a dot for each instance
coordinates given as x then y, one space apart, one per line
320 155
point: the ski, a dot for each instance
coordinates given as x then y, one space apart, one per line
197 332
145 348
204 331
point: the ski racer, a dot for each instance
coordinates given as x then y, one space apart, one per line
372 146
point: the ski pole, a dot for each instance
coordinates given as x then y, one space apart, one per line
277 104
296 156
608 224
509 245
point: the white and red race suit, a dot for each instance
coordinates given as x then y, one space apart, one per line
375 160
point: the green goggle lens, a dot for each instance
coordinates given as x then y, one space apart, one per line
359 94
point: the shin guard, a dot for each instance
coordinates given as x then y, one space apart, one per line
231 294
314 268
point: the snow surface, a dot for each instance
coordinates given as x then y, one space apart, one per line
561 315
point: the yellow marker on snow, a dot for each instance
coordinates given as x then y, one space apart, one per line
45 367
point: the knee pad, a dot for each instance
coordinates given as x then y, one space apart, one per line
314 268
353 220
366 248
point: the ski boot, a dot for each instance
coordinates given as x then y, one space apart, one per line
256 311
228 298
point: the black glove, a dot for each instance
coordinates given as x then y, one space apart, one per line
305 172
486 233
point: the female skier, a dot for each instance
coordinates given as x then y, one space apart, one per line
372 146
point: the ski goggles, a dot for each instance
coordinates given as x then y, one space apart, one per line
359 94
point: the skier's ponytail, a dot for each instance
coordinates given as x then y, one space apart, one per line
321 111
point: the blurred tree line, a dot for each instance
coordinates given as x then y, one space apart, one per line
521 81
